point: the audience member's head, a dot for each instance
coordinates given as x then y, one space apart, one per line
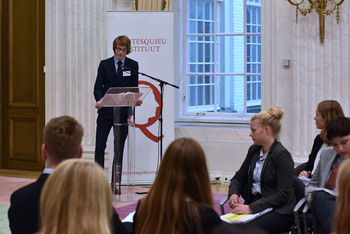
338 127
338 133
182 183
342 216
226 228
62 140
327 110
272 118
76 198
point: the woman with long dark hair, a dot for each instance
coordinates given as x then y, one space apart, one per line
180 200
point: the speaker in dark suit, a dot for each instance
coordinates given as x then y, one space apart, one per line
110 74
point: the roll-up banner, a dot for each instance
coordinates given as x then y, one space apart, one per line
152 46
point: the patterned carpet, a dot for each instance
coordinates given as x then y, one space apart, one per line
4 223
10 184
123 211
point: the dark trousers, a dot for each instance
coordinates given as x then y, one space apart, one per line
120 132
273 222
323 209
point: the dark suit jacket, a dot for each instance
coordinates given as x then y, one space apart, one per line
23 213
107 78
318 142
276 180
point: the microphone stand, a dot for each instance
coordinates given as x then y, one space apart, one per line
161 85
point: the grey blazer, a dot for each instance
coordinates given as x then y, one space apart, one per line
319 179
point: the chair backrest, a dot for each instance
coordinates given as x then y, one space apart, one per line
299 168
299 188
302 213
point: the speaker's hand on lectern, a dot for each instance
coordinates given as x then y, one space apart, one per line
138 102
97 105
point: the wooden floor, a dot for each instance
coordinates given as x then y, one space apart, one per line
216 188
219 188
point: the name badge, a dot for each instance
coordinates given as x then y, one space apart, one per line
126 73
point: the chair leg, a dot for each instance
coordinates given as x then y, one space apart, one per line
306 229
222 203
297 222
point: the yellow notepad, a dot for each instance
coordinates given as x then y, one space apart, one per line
233 217
243 218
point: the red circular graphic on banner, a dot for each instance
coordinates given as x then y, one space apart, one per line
152 120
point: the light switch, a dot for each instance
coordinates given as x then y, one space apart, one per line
286 62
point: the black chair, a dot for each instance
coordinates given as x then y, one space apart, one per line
299 188
222 203
302 212
299 192
299 169
303 216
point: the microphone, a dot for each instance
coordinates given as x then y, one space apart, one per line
124 68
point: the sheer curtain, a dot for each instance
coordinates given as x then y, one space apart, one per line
153 5
71 27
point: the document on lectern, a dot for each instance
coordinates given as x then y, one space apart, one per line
120 99
243 218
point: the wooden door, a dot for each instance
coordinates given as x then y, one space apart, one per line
22 83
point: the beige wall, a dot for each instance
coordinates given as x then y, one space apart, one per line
75 43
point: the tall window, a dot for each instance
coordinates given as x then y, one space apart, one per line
223 62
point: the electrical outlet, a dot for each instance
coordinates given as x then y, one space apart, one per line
215 179
227 178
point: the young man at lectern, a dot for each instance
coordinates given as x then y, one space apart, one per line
110 74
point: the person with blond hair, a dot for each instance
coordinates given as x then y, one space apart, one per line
76 198
325 112
342 214
265 179
62 140
180 200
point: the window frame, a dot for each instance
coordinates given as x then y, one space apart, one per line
215 116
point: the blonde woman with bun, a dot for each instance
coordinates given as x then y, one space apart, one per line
76 198
265 179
